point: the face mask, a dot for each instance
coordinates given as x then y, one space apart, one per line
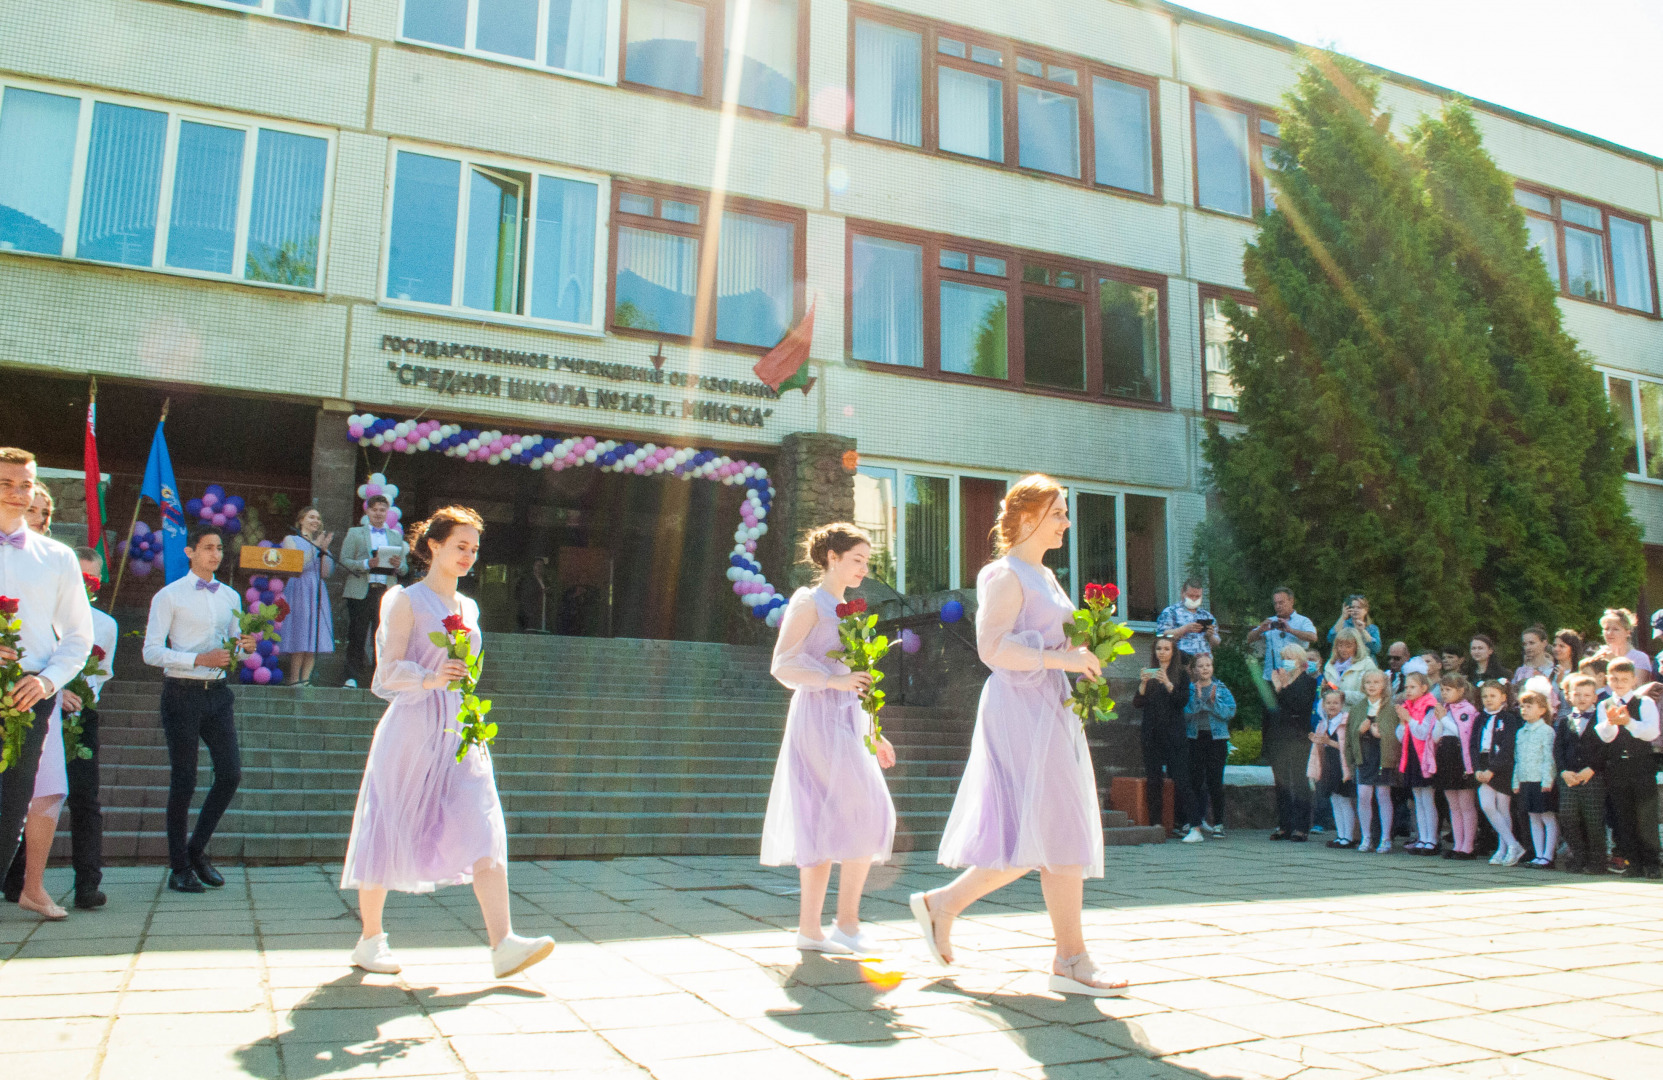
1193 605
1311 666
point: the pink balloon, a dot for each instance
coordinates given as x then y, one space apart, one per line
739 588
231 510
371 490
400 445
750 545
253 660
262 675
251 597
210 499
220 519
355 431
278 585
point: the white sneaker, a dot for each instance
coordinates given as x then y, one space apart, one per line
1514 854
1501 853
1385 847
1193 836
856 942
514 954
374 954
351 684
1217 831
828 944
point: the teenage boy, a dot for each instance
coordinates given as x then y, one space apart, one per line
191 621
1628 723
375 556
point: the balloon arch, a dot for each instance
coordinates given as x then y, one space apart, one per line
607 455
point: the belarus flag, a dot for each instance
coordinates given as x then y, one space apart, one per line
782 369
94 489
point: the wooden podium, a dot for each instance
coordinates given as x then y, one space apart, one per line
271 560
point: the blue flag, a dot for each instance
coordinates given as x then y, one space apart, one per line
160 486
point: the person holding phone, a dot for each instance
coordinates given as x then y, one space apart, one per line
1188 623
1286 627
1354 614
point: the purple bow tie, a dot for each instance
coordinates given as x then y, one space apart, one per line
211 586
15 539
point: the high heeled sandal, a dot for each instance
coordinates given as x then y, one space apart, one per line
1071 984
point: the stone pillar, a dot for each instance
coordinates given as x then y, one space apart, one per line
334 484
811 488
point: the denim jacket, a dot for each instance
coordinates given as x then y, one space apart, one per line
1215 704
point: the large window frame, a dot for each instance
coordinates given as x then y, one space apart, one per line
1263 137
1206 293
899 470
176 116
1014 75
706 231
609 49
268 8
1019 267
1555 217
1645 395
526 240
714 74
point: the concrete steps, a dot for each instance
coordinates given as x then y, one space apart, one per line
608 747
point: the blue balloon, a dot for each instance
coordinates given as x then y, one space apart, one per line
268 597
236 500
260 581
233 526
952 611
245 675
194 507
265 648
216 491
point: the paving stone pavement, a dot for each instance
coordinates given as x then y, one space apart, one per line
1247 959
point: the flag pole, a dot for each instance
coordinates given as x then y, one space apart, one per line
128 550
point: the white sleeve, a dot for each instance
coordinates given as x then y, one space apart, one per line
156 650
1646 728
998 603
1605 729
72 621
395 675
105 636
790 665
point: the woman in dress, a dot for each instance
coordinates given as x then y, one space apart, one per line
310 627
829 802
1029 796
425 819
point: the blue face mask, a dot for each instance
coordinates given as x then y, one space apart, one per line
1311 666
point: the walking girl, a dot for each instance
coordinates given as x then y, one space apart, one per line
1029 795
828 803
425 819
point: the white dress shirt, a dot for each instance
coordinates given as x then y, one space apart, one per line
185 622
378 540
44 577
104 635
1645 729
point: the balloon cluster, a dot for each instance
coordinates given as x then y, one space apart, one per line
608 455
377 485
143 549
262 665
217 508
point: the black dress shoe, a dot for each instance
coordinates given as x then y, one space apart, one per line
1298 837
185 881
206 872
1278 834
90 899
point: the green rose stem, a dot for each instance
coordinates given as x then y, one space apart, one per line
81 688
474 729
861 651
15 722
1094 628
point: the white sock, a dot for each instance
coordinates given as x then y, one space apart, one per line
1426 815
1345 817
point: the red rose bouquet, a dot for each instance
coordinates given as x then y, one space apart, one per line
14 722
470 718
861 651
81 687
1094 628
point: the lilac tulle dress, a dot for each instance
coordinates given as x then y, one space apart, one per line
829 800
423 819
1029 794
310 626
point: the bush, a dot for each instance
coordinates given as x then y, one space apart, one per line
1234 667
1246 746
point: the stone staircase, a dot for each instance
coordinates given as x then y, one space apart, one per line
607 747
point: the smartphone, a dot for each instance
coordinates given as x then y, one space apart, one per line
1204 622
1150 672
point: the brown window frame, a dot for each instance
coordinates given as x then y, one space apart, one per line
707 231
1011 50
1217 292
1017 260
1557 198
710 95
1257 141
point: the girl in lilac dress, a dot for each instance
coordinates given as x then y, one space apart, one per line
829 802
423 818
310 627
1029 794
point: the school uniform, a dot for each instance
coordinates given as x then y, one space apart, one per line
1533 773
1631 779
1576 746
1456 749
1496 740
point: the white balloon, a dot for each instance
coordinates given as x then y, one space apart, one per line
761 529
734 572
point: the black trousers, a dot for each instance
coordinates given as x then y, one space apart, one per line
363 619
1207 760
1288 761
1166 756
17 784
1634 802
86 818
1582 823
193 712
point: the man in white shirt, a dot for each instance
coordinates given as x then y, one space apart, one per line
375 556
191 620
56 636
1286 627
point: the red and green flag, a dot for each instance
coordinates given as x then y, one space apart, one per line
94 489
785 366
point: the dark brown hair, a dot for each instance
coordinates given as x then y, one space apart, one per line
11 455
1574 640
438 529
839 538
1019 510
300 516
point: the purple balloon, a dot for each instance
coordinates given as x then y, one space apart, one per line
277 585
140 528
262 675
252 661
910 642
264 543
140 568
251 597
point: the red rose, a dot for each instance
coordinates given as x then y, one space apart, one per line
1112 592
92 582
98 652
8 606
455 623
857 607
842 611
282 606
1093 592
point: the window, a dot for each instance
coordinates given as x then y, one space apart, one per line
1095 538
1147 573
126 183
668 45
928 539
1001 102
875 513
759 268
979 500
1217 339
960 309
1591 252
1638 405
321 12
573 38
1235 146
486 236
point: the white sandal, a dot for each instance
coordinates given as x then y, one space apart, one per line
926 925
1087 987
